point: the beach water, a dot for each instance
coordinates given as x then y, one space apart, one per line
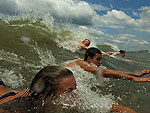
30 41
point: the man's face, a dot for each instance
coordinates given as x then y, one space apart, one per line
122 55
86 43
97 59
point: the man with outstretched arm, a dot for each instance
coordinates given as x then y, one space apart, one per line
92 61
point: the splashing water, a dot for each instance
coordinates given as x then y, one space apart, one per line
93 100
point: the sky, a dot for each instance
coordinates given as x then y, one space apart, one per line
122 21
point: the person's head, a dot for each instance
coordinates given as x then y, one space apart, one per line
122 53
93 55
52 81
86 42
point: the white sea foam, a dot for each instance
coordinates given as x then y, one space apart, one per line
93 100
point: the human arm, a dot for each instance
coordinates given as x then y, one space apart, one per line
144 72
107 53
82 45
108 73
121 109
129 60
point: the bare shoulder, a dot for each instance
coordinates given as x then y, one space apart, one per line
72 63
81 62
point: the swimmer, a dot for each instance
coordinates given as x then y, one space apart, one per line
48 84
94 56
84 44
121 54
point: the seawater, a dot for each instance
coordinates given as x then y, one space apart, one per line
28 43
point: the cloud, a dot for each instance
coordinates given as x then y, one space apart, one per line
135 13
122 41
99 7
81 13
126 36
78 12
115 18
145 15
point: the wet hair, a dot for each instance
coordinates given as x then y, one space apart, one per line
48 77
87 40
122 51
91 52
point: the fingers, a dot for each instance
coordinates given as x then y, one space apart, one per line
145 71
137 79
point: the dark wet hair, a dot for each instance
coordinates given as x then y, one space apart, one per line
122 51
91 52
49 77
87 40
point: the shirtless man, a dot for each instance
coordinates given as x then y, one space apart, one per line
92 61
84 44
121 54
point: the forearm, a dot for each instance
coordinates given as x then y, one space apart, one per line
135 75
108 73
121 109
122 75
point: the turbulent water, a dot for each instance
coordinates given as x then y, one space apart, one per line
28 43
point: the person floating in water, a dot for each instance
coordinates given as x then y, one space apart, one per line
49 83
120 55
84 44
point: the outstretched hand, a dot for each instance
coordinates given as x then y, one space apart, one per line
144 72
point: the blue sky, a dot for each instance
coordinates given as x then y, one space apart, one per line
121 21
127 6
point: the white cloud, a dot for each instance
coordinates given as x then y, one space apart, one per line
145 15
115 18
135 13
80 12
126 36
91 30
68 10
142 42
99 7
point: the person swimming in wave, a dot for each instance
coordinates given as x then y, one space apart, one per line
84 44
92 62
75 45
49 83
120 55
